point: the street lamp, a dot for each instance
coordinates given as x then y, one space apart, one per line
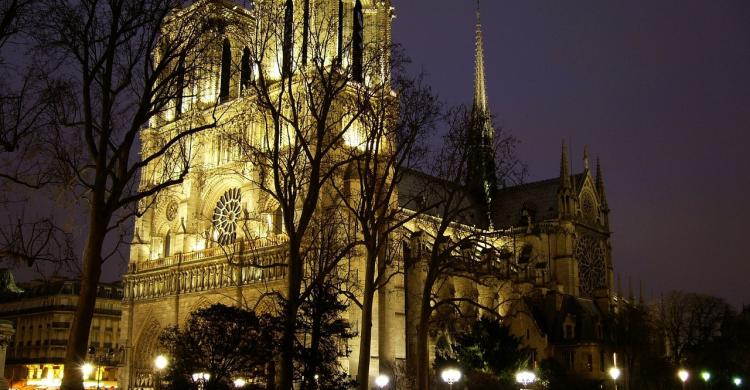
201 378
737 381
451 376
614 373
160 363
382 381
525 378
87 369
684 375
239 383
706 376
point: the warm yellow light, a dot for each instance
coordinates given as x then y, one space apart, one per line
614 373
683 375
87 369
161 362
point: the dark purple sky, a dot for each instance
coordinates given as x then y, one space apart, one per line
660 90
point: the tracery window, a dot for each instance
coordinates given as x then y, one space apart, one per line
226 216
591 267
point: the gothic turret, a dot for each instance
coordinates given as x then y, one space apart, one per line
565 189
602 193
481 177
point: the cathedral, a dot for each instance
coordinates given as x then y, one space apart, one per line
215 237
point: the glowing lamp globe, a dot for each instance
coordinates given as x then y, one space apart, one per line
450 375
87 369
382 381
614 373
737 382
239 382
684 375
161 362
525 378
706 376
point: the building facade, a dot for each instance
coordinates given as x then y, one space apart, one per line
41 313
214 237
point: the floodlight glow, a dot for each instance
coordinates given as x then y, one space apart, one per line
525 378
161 362
87 369
614 373
239 382
737 382
382 380
706 376
683 375
450 375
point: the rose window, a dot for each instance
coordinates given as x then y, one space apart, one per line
591 267
227 213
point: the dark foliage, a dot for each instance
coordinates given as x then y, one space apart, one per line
227 342
324 335
488 353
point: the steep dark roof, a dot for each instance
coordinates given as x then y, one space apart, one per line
539 198
551 310
417 189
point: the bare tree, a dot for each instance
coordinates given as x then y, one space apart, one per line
457 241
394 133
114 70
688 320
305 111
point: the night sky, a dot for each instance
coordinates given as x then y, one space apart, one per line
660 90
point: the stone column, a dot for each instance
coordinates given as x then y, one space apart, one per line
6 332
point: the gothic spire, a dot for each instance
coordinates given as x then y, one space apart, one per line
585 157
600 183
481 157
480 89
564 168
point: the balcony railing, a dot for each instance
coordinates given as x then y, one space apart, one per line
225 251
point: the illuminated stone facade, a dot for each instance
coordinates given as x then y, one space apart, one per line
201 242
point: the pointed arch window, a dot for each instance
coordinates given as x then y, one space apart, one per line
358 41
246 70
167 244
226 68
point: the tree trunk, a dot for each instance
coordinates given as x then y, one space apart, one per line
294 284
79 332
365 339
423 340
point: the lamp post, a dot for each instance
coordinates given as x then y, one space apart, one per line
614 373
382 381
200 378
525 378
160 363
450 376
684 375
